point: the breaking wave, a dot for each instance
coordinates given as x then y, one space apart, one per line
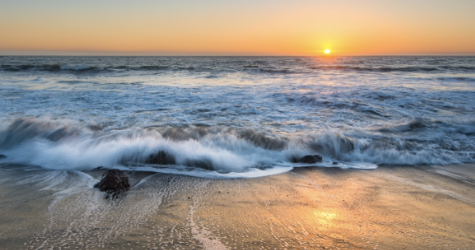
224 152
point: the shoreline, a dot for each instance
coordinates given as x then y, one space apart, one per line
391 207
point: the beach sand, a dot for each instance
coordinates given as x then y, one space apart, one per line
392 207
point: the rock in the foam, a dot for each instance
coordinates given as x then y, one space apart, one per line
114 181
161 158
309 159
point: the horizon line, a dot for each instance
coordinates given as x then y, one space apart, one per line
234 55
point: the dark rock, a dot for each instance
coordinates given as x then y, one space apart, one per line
335 163
3 156
201 163
261 140
161 158
114 181
309 159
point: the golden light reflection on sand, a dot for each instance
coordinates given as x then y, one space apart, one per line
325 217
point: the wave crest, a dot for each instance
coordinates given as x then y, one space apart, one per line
65 144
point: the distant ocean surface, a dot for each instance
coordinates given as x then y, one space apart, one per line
235 117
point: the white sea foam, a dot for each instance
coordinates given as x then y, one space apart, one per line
219 152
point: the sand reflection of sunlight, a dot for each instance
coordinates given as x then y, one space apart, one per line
325 217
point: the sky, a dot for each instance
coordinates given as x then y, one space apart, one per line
245 27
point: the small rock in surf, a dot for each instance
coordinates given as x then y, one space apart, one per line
3 156
309 159
161 158
200 163
114 181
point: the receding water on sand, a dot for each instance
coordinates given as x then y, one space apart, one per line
307 208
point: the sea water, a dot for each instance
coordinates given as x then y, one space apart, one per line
235 117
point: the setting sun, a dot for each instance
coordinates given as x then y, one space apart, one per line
327 51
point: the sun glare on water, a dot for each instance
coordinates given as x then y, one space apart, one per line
327 51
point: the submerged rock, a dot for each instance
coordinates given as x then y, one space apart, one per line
164 158
161 158
3 156
309 159
114 181
200 163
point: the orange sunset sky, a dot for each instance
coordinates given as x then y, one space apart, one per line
257 27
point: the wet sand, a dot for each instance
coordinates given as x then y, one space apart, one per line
308 208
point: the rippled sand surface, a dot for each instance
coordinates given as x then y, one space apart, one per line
307 208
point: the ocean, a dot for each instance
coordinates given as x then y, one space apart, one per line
235 117
396 135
